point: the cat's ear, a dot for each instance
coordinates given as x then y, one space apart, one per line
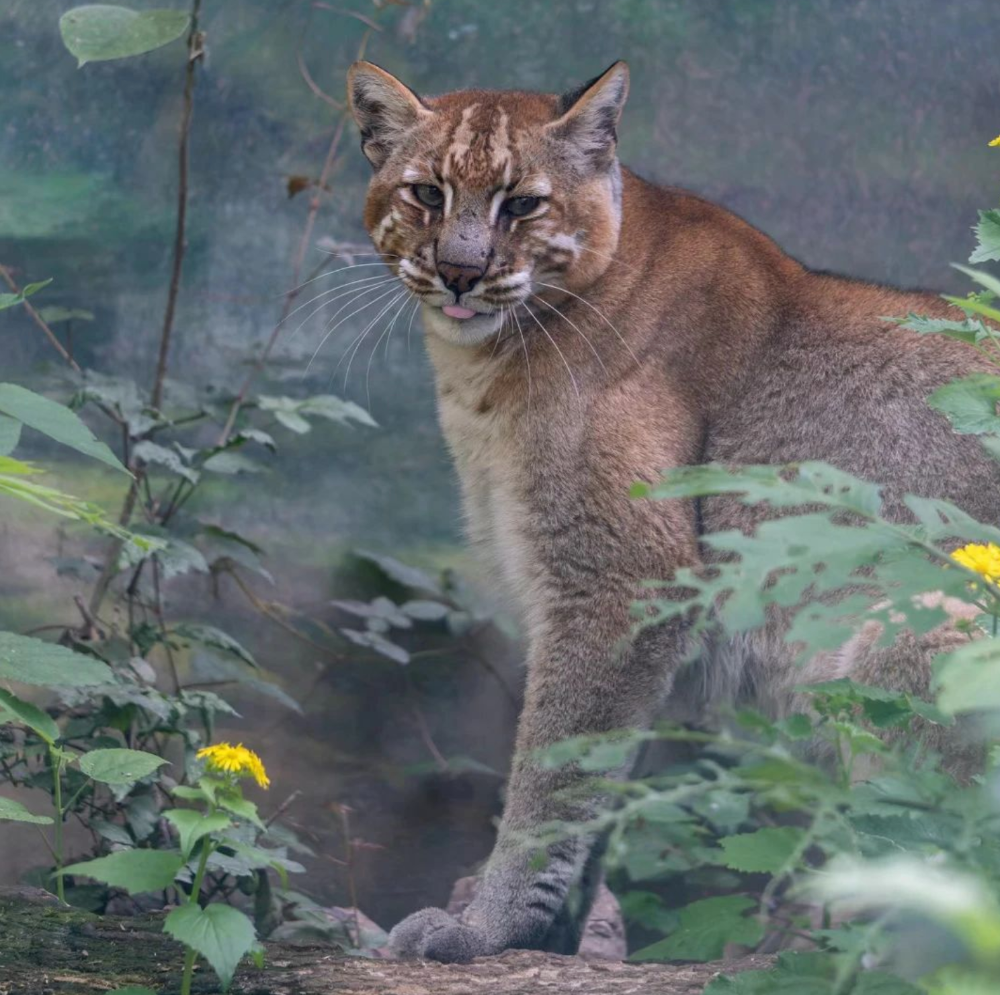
384 109
589 115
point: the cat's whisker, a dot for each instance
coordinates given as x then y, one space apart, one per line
332 272
386 334
576 327
527 361
610 258
503 318
596 311
336 292
409 327
371 324
367 304
555 346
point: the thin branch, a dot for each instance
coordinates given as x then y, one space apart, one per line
39 320
300 254
314 86
195 52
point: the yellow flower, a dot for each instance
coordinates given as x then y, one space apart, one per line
996 141
227 759
984 560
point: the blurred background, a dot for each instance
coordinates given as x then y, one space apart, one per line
852 131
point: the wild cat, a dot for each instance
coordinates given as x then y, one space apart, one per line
587 329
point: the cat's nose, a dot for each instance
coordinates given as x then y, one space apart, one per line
459 279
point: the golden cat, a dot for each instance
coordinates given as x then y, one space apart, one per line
587 329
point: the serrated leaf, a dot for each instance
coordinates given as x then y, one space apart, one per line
192 825
764 851
336 409
968 679
99 32
136 871
119 766
55 421
13 709
13 811
244 808
987 238
34 661
970 404
209 635
969 331
705 929
151 452
220 933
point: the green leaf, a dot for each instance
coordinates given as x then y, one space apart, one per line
12 811
968 679
234 802
119 766
231 463
209 635
10 434
98 32
970 404
192 825
402 573
34 661
766 850
132 990
9 300
134 870
151 452
987 238
969 331
54 420
705 928
13 709
57 314
220 933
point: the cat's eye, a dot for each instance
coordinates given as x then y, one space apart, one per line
518 207
429 196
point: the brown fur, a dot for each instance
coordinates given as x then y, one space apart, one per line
698 340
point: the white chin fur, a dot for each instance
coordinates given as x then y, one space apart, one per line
465 332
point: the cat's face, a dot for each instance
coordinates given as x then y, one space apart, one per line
482 201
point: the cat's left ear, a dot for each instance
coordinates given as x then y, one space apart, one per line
589 116
384 109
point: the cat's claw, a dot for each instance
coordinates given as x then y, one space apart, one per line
432 934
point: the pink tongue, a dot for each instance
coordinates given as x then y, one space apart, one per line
454 311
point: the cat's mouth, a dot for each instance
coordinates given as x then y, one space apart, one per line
458 312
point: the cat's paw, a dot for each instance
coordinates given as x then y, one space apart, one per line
434 935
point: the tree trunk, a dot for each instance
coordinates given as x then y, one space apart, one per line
51 949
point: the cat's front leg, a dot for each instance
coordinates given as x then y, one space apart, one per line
581 679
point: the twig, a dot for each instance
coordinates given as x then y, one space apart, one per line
425 733
314 86
39 320
194 53
262 359
283 807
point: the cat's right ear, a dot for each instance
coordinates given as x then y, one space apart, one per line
384 109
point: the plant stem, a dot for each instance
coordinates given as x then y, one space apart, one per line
194 53
39 320
57 830
191 955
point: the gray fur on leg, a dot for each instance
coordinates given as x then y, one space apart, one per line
434 935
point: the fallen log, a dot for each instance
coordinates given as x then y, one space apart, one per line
47 948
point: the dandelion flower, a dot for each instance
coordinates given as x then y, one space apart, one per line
996 141
983 560
223 758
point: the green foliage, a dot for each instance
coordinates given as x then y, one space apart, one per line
9 300
220 933
118 766
14 811
135 871
705 928
98 32
987 238
33 661
55 421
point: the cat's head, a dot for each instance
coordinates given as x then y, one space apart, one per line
481 198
